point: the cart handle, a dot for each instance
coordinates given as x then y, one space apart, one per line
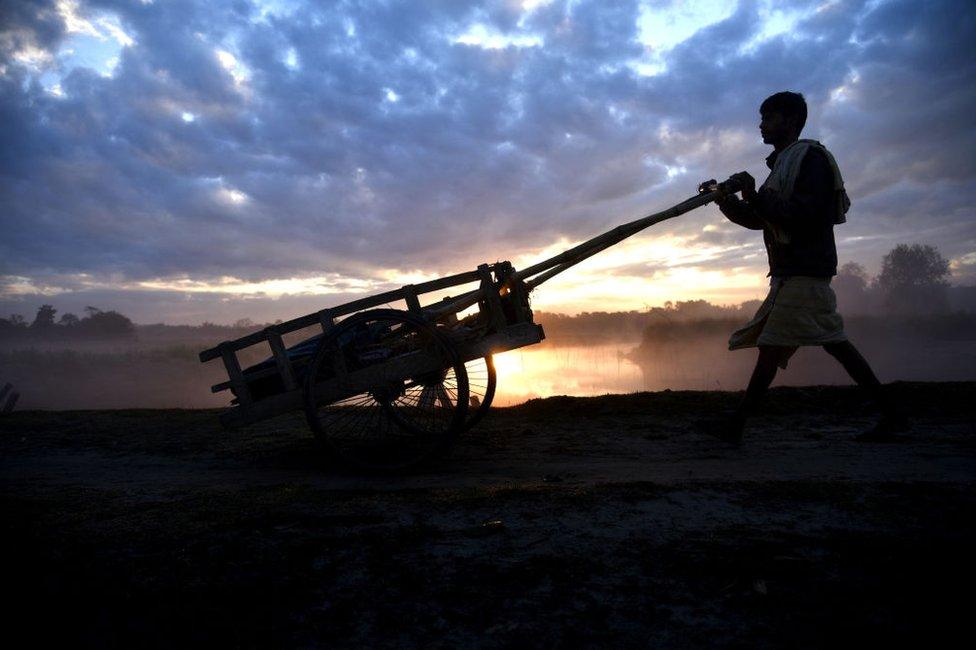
707 192
559 263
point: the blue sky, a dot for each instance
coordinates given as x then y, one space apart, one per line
186 161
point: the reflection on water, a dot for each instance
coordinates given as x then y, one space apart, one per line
545 370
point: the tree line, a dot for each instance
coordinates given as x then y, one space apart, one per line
95 324
913 281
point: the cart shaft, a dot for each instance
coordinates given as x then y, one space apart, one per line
551 267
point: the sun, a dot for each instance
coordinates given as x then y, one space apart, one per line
508 364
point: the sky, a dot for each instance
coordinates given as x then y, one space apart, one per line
188 161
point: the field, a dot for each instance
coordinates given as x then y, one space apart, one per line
604 522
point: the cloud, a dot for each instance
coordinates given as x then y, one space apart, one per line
351 139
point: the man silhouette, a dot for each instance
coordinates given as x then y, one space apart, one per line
796 208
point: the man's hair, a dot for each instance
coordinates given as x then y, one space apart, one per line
787 104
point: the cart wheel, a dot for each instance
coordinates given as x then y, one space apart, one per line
365 407
481 388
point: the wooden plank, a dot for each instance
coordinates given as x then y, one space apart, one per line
519 293
259 337
263 409
410 297
462 302
511 338
368 303
450 281
237 380
281 359
492 300
341 310
251 376
326 320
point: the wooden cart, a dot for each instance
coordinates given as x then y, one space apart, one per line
387 388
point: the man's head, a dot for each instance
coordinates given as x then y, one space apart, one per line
783 117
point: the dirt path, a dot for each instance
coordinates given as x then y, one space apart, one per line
567 521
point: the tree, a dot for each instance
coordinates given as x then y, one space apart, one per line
914 279
14 325
44 319
854 274
68 320
851 287
105 324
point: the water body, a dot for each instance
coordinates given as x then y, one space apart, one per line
545 370
168 377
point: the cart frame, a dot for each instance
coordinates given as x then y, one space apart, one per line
502 329
503 334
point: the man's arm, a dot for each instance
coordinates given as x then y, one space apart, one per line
739 212
812 194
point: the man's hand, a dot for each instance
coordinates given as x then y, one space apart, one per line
746 183
707 186
712 185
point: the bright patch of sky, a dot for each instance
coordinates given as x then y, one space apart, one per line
231 195
274 9
843 91
674 171
291 59
95 40
479 35
16 285
234 68
777 21
660 28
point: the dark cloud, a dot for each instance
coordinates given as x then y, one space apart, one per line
349 138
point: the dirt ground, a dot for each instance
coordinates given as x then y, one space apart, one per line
564 522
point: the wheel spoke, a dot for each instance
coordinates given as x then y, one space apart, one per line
402 420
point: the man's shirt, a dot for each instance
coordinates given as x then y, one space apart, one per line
807 216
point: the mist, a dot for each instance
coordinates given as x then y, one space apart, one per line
682 347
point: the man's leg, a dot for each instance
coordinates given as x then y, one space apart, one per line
860 371
855 365
762 376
